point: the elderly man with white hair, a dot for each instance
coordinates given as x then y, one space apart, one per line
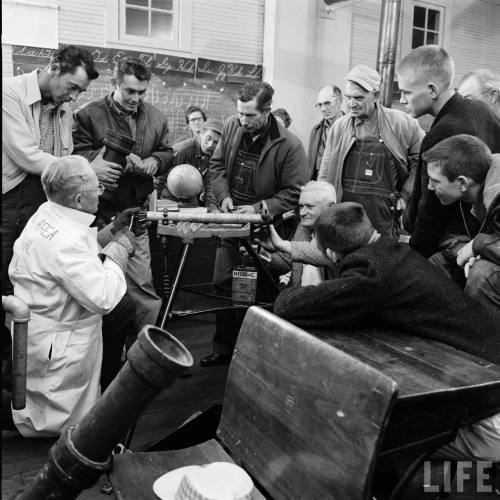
484 85
300 255
68 282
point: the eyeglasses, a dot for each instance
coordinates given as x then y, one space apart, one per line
100 189
472 96
326 103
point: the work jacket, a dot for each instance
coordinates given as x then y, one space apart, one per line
401 134
56 270
281 169
151 139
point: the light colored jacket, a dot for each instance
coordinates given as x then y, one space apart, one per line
401 134
57 272
21 153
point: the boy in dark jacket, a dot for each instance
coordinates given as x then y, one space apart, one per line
384 284
463 172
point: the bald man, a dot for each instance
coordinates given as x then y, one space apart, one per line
329 104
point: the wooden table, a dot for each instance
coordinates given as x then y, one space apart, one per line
405 397
439 387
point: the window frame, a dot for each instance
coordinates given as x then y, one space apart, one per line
182 22
406 34
427 7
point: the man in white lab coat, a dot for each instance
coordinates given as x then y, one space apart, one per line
68 282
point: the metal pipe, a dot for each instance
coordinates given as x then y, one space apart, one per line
217 217
387 46
83 453
19 331
206 218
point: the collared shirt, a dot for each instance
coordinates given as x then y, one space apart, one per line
368 127
254 144
21 152
130 117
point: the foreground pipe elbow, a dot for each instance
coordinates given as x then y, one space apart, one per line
20 317
83 452
20 311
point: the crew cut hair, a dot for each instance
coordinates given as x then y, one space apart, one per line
131 66
461 154
431 62
343 228
63 178
261 91
70 57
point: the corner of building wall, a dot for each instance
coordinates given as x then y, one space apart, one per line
7 67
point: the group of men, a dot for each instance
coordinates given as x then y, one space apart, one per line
365 169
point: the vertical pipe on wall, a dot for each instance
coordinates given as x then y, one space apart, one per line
387 46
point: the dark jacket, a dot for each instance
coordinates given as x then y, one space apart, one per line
425 217
151 139
281 170
314 138
481 221
487 241
386 285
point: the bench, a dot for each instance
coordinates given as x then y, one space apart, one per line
302 417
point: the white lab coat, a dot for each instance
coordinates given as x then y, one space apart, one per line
57 271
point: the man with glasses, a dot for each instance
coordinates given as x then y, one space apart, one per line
482 84
329 104
68 283
195 119
371 153
256 161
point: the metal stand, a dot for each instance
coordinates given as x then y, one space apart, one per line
167 312
175 286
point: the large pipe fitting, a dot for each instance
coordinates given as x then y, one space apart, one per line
81 455
19 331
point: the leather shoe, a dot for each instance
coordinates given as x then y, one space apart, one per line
215 359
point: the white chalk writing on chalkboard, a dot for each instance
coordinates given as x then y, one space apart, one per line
18 50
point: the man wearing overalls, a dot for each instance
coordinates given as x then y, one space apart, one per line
256 160
371 152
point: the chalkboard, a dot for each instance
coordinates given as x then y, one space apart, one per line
176 84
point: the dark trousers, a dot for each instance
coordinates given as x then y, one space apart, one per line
116 327
227 323
18 205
